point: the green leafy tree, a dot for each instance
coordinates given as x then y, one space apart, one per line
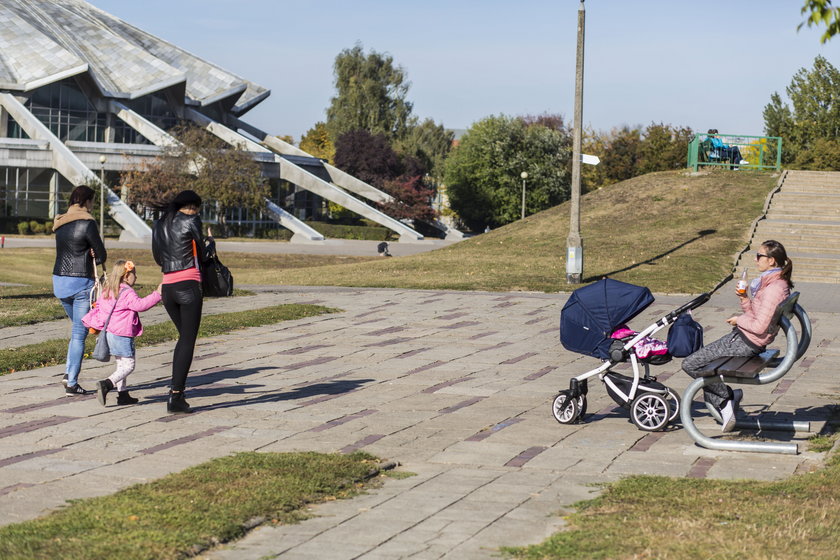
483 172
428 142
814 112
370 95
622 155
821 12
662 147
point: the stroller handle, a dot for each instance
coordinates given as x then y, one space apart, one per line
699 300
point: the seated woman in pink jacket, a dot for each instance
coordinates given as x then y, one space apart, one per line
118 295
751 332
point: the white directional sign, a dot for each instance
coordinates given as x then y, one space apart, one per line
591 160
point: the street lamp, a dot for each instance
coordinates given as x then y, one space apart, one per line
102 197
524 176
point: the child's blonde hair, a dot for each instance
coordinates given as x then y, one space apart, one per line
118 274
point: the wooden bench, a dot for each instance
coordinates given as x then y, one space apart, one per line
754 371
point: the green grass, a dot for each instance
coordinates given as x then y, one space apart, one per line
670 518
187 512
669 231
52 352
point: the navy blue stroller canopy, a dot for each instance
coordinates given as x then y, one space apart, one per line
594 312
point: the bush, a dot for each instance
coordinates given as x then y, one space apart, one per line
48 227
36 227
23 228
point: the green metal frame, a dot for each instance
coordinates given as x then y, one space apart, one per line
756 149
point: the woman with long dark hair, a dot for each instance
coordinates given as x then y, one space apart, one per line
179 248
77 247
751 332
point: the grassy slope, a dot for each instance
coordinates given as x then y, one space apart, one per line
645 231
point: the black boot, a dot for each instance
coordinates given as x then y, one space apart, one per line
177 403
102 389
124 398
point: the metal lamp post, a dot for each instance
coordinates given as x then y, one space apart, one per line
524 176
102 197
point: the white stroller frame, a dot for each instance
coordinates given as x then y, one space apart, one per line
652 404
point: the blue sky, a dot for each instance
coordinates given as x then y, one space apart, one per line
697 64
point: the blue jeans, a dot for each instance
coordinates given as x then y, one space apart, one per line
76 306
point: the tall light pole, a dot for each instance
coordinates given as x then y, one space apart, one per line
524 176
102 197
574 243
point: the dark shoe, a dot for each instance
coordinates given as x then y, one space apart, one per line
124 398
75 391
177 404
102 388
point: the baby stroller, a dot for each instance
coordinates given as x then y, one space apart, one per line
593 323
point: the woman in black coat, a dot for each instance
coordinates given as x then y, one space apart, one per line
179 248
77 246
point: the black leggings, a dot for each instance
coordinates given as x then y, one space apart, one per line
183 302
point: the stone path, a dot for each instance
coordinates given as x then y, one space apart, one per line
454 386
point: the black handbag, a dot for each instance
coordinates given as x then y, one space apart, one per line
216 279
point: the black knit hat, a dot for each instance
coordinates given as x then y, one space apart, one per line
185 198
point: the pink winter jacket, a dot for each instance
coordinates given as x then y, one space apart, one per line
758 311
126 319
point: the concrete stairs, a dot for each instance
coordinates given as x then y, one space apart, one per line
804 215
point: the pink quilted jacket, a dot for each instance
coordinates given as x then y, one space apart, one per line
126 318
758 311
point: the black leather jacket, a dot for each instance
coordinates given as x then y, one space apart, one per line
172 242
73 242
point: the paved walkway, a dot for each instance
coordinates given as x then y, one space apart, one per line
454 386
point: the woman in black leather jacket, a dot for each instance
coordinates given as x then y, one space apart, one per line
77 246
179 248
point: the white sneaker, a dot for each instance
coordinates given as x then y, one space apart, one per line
744 162
727 416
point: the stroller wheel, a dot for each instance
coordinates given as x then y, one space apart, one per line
674 402
650 412
565 410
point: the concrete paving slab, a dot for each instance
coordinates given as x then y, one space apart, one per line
459 395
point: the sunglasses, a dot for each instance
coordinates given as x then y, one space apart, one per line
759 255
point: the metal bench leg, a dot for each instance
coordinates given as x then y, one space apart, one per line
723 444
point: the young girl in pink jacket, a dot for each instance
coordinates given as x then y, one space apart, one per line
123 326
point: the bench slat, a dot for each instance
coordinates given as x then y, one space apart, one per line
738 366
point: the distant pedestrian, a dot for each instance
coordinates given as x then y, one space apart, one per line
382 249
179 248
121 303
77 247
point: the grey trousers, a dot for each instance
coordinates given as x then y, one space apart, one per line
731 344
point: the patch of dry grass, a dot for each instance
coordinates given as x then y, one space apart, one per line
670 231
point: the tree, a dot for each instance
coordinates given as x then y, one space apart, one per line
428 142
821 12
370 95
621 158
483 172
412 198
662 147
224 175
367 156
815 113
317 142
